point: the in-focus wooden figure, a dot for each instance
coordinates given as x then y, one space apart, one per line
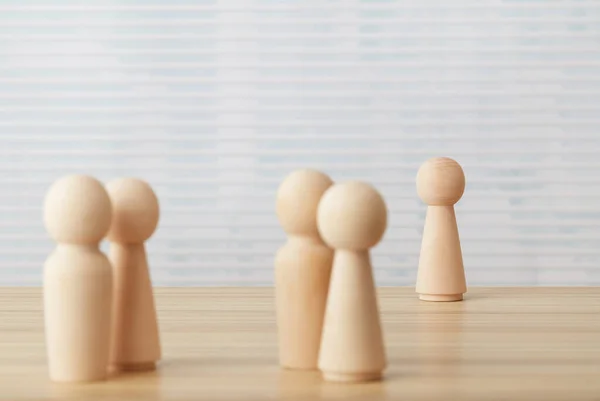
302 270
77 280
352 218
441 275
135 344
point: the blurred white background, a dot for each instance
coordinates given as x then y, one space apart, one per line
214 102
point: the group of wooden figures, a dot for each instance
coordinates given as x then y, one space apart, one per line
99 311
327 312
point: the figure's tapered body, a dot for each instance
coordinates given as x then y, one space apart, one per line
135 339
352 218
302 270
77 313
77 281
441 275
352 342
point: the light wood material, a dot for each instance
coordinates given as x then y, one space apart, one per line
135 339
352 348
302 269
518 344
352 218
77 280
441 274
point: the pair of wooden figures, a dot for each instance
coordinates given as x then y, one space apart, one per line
99 312
327 312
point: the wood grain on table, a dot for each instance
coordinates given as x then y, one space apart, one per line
221 344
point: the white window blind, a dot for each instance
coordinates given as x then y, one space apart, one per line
214 102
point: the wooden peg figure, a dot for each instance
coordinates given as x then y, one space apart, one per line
135 335
352 218
302 270
77 280
441 275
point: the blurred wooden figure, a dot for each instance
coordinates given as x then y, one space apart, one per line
352 218
441 275
77 280
135 335
302 270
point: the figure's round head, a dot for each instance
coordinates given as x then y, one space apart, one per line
77 210
440 182
135 210
352 215
298 197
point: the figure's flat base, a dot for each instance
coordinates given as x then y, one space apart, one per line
299 368
89 379
135 367
351 377
441 298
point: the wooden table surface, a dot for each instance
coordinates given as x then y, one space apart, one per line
220 344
